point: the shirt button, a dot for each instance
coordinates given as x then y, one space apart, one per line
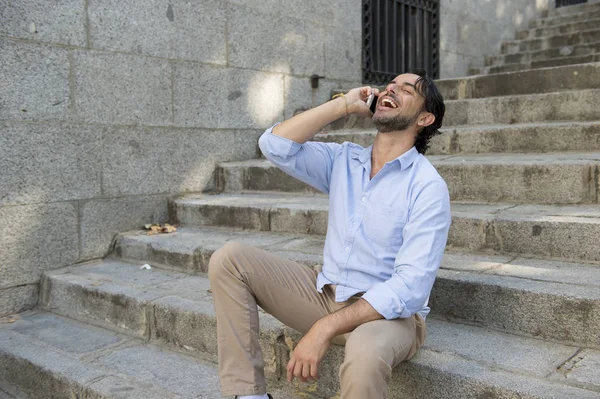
347 249
363 199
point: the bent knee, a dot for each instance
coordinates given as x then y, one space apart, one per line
222 258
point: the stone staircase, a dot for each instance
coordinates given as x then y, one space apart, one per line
515 307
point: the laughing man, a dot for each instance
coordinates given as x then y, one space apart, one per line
389 215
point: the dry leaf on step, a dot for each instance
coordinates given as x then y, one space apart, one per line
169 229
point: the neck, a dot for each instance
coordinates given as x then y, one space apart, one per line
391 145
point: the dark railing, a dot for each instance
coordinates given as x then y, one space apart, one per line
562 3
399 36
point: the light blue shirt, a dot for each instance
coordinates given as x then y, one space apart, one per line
385 236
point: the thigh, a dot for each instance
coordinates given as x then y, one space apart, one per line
390 340
283 288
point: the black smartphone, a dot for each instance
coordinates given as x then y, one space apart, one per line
373 106
372 102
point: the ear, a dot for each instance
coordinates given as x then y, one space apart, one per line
425 119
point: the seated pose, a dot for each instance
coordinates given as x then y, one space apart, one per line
389 215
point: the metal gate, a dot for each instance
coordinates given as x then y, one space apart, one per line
399 36
562 3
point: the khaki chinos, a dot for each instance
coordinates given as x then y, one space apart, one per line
243 277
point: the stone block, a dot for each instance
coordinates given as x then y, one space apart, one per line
120 388
347 14
314 11
35 81
282 44
38 238
159 160
343 54
214 97
584 369
62 22
102 219
300 96
18 299
49 162
38 370
177 29
64 334
106 293
122 89
167 370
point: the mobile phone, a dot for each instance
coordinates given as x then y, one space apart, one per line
372 102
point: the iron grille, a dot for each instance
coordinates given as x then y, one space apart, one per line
399 36
562 3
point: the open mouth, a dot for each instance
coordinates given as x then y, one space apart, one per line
388 103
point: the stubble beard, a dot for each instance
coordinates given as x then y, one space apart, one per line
386 124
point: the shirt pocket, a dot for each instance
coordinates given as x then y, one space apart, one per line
384 224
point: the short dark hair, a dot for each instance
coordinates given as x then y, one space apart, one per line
434 103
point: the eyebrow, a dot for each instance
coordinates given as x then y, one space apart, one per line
405 84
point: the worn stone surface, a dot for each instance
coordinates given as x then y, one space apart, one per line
519 305
556 30
207 96
189 250
122 89
530 138
102 219
105 293
161 160
70 337
49 162
284 44
570 39
35 82
544 178
584 369
18 299
42 237
571 77
37 371
574 105
38 20
174 372
120 388
179 29
343 54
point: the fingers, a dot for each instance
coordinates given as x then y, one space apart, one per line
303 371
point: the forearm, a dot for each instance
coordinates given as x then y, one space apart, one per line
347 319
302 127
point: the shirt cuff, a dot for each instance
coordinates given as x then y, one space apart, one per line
386 302
280 146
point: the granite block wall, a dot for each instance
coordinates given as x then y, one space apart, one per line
108 108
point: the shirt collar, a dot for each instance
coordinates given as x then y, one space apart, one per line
403 161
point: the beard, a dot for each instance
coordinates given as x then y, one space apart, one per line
386 124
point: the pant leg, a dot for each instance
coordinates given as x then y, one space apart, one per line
243 277
372 350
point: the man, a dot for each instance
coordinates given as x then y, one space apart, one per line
389 217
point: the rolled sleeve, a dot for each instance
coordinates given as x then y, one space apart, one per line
418 260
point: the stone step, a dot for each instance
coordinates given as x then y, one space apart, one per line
556 178
569 39
564 232
565 19
577 50
497 286
562 78
588 6
456 362
574 105
44 355
528 138
536 65
557 30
